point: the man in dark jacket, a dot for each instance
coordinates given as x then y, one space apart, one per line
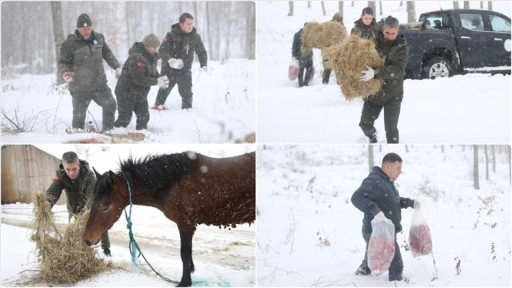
377 197
366 26
138 75
177 53
305 62
393 49
78 180
81 65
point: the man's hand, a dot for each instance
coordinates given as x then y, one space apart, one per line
175 63
204 69
163 82
380 217
106 251
417 204
367 75
68 76
118 72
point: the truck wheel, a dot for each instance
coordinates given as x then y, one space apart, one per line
437 67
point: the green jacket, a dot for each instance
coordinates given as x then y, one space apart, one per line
85 59
78 191
395 55
180 45
365 31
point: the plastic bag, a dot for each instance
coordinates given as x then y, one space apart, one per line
293 69
381 247
420 239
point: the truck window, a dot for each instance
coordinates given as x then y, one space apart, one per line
499 24
435 21
472 21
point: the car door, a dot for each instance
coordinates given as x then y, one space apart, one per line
475 45
498 27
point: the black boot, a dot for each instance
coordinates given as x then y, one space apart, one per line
326 76
395 277
363 270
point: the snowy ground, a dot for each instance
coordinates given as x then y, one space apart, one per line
462 109
224 108
309 233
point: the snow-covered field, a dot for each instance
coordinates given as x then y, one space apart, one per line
462 109
223 108
309 233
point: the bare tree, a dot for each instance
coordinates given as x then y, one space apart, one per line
380 8
323 8
455 4
58 33
486 163
476 181
411 11
290 8
493 156
371 157
489 5
372 5
340 7
466 4
481 4
250 34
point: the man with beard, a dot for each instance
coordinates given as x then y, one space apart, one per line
138 75
177 53
393 49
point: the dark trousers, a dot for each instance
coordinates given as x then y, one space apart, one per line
103 98
304 79
127 104
184 80
371 112
397 265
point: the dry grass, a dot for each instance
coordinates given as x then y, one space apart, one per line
322 35
64 258
348 59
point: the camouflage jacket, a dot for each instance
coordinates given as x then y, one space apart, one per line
78 191
85 59
365 31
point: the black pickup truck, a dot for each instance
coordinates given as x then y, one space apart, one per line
448 42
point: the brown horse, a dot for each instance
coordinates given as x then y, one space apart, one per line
189 188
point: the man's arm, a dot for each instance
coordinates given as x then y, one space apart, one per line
397 60
363 198
165 49
66 57
406 202
108 55
90 185
201 52
54 191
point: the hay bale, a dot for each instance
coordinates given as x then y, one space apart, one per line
349 59
64 258
322 35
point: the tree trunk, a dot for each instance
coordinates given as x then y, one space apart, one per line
371 157
250 31
380 8
489 5
58 34
340 7
486 163
372 5
455 4
493 156
411 11
476 181
290 8
209 30
482 5
466 4
323 8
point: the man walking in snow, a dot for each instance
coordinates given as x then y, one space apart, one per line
78 180
393 49
378 198
305 61
138 75
177 53
81 65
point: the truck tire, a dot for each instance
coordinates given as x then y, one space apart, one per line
437 67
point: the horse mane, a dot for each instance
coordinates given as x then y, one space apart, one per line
156 171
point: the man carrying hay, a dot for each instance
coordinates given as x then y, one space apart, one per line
78 180
393 49
378 198
305 61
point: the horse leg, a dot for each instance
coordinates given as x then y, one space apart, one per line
186 234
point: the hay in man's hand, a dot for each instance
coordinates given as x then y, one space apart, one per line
64 258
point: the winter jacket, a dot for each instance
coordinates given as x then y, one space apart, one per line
139 72
365 31
78 191
180 45
307 60
85 59
378 193
395 55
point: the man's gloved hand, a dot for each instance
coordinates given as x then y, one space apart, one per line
68 76
417 204
380 217
163 82
118 72
204 69
175 63
106 251
367 75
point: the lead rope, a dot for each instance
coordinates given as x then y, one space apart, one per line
133 245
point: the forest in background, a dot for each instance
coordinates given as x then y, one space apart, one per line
29 39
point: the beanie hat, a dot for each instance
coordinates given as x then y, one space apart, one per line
83 21
151 40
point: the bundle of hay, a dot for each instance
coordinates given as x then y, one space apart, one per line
64 258
322 35
348 60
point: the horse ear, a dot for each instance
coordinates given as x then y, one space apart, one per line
96 172
111 179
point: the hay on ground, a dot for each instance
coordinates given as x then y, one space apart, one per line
64 258
322 35
351 57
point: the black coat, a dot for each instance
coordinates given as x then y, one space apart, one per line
378 193
180 45
306 60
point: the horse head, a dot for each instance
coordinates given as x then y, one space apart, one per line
107 203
